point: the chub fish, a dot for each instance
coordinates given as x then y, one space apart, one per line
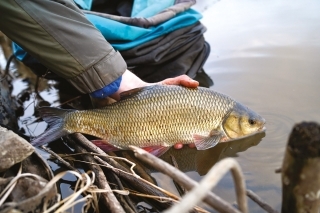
155 118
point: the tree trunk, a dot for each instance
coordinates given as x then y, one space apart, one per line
301 170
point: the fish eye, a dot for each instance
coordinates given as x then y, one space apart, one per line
252 121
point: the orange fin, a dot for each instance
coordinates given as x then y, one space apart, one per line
156 150
105 146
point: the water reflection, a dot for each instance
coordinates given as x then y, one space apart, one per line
190 159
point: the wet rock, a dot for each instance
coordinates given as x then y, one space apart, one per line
13 149
30 195
26 188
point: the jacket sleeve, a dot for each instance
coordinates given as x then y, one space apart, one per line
58 35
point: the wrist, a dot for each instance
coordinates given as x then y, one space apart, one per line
129 81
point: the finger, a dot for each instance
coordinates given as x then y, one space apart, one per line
183 80
178 146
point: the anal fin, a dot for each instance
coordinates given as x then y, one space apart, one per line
104 145
156 150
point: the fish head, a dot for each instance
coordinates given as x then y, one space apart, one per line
242 121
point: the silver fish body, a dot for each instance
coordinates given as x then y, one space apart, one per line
159 116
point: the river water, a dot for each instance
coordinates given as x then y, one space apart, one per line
264 54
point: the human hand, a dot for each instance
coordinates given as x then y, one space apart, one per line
182 80
131 81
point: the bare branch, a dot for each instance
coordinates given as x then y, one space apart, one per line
65 163
211 199
260 202
108 197
210 180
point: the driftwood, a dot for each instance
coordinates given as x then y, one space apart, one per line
254 197
211 199
210 180
180 188
83 141
301 170
139 184
124 200
108 198
65 163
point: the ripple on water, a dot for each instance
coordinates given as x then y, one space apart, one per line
269 153
278 127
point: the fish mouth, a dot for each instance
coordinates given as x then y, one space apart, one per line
262 129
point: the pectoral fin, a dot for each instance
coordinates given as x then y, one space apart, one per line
206 142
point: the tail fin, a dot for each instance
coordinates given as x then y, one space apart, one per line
55 119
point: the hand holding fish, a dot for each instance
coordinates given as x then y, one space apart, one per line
131 81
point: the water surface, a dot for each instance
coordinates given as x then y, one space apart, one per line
265 54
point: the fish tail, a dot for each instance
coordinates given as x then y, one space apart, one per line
55 118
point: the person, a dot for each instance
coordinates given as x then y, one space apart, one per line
58 35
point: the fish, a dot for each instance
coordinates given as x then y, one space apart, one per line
155 118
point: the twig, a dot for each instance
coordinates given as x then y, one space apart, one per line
70 100
155 191
140 170
211 199
108 198
127 203
279 170
260 202
65 163
83 184
180 189
93 148
136 179
121 171
133 165
210 180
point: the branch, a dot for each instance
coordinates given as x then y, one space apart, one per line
211 199
108 197
209 181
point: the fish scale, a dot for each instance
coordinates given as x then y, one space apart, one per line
164 115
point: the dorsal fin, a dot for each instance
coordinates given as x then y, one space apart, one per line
132 92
